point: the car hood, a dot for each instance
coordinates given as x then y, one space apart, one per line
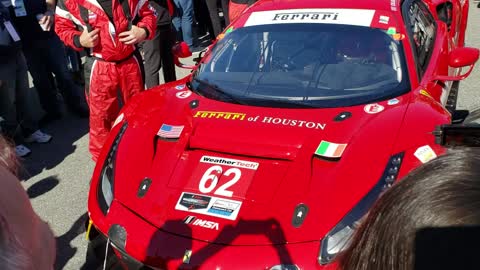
263 164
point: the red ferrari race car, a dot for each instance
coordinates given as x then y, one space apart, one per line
286 131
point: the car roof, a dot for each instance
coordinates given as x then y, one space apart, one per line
386 5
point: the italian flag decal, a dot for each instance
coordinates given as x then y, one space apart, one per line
331 150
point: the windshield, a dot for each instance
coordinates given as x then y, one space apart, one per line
303 65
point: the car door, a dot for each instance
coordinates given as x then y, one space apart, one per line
430 44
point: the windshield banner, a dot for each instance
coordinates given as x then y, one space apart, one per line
360 17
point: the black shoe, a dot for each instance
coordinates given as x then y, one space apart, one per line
49 118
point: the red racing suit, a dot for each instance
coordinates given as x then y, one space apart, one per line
114 68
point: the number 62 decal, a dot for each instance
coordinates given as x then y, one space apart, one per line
210 178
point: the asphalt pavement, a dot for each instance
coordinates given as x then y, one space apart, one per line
57 175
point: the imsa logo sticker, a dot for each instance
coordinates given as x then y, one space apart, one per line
192 220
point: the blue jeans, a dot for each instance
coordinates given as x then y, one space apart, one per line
183 20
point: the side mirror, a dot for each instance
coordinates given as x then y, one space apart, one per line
458 58
181 50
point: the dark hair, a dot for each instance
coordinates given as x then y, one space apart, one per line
444 192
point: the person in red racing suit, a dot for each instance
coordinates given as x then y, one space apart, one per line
109 30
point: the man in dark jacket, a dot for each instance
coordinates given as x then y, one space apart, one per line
45 54
17 121
158 51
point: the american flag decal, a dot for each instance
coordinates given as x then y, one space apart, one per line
170 132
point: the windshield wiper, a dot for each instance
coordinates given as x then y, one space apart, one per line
288 103
217 89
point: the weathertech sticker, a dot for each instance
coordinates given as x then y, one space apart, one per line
331 150
425 154
207 205
329 16
230 162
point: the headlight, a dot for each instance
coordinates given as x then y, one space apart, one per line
339 237
107 176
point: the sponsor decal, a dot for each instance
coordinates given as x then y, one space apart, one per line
230 162
180 87
393 101
425 154
425 93
384 19
392 31
264 119
192 220
118 120
209 206
331 150
183 94
393 5
224 208
360 17
294 123
194 201
169 131
229 30
398 36
220 115
373 108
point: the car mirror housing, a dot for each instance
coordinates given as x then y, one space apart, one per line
462 57
181 50
458 58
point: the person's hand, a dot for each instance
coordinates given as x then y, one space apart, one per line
47 20
133 36
89 39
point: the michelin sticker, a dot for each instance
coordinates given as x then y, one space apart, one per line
425 154
360 17
210 206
